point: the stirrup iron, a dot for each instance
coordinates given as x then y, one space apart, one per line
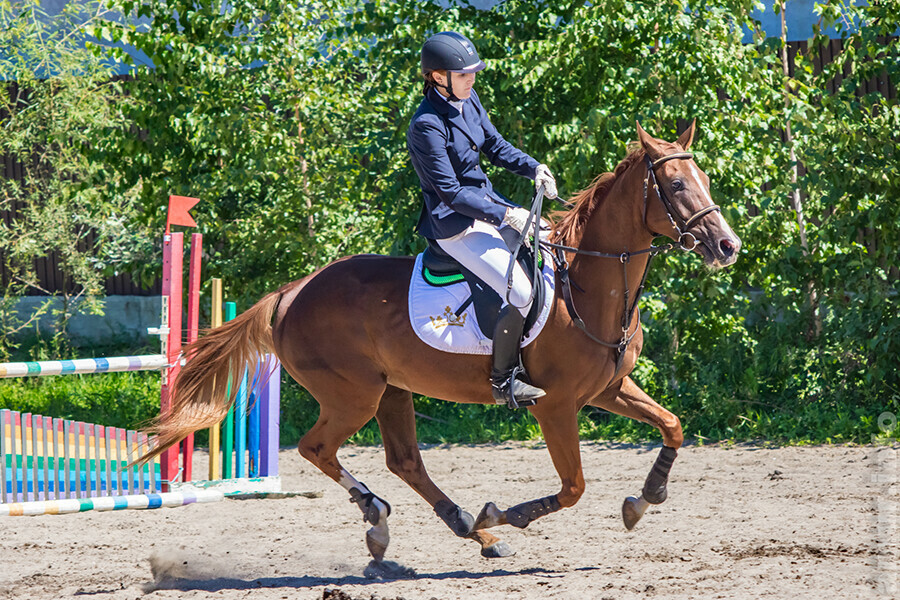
515 392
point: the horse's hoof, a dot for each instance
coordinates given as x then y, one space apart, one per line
498 549
490 516
632 511
376 547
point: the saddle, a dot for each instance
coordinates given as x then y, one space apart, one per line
439 269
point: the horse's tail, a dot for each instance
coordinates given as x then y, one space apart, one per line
206 386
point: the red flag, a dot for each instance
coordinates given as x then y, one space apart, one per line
178 211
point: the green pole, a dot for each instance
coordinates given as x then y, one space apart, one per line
228 425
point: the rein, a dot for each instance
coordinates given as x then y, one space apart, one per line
562 265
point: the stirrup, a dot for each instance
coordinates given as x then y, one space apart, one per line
514 392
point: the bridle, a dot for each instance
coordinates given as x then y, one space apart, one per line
680 225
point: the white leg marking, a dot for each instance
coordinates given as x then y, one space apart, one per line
379 532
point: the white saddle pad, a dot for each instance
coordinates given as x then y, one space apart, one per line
432 313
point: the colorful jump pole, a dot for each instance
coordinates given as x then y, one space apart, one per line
228 424
146 362
172 287
193 329
135 502
173 247
215 459
54 466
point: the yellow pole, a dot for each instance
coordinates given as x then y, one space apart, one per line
215 460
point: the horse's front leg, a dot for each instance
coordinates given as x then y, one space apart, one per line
559 425
629 400
397 422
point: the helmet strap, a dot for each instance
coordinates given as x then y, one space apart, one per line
449 87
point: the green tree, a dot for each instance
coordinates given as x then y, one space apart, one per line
60 107
290 124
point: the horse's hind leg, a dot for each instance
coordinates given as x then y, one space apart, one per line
397 421
338 420
631 401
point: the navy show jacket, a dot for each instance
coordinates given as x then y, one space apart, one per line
444 147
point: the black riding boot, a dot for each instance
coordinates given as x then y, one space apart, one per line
508 379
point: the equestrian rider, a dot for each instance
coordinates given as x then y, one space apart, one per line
462 212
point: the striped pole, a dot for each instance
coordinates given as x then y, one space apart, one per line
135 502
146 362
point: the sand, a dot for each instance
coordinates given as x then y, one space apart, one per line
741 521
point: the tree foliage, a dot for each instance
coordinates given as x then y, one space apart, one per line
289 123
59 108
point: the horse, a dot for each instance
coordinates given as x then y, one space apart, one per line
344 333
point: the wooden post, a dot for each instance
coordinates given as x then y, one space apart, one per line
215 460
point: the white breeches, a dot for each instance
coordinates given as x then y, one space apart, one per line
481 249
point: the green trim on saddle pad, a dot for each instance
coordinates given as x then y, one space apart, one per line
457 277
441 280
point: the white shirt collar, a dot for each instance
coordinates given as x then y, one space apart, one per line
458 104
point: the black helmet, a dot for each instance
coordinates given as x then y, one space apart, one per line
450 51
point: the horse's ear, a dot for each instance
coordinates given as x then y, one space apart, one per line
687 136
650 144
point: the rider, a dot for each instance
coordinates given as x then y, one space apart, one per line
462 212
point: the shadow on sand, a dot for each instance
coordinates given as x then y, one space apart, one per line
216 584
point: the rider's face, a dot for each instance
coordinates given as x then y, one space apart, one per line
462 83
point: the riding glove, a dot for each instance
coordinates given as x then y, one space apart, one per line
516 218
544 177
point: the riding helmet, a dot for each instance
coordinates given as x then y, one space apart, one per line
450 51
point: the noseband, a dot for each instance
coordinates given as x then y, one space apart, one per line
681 225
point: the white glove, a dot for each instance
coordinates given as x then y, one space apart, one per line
544 177
516 218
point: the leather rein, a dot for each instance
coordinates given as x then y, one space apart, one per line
681 226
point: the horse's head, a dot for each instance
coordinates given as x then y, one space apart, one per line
677 202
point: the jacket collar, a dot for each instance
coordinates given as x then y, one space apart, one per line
449 112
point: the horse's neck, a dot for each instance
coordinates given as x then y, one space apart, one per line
616 226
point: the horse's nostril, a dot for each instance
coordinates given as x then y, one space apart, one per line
727 247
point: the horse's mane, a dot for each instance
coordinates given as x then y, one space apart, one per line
569 224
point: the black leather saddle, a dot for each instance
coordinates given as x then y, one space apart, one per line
440 269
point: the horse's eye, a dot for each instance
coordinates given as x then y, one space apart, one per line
677 185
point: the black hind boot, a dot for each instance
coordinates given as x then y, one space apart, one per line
508 379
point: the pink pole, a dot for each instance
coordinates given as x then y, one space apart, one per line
193 327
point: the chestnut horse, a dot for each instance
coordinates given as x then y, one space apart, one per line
344 334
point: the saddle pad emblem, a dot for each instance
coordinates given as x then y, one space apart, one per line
432 313
449 318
